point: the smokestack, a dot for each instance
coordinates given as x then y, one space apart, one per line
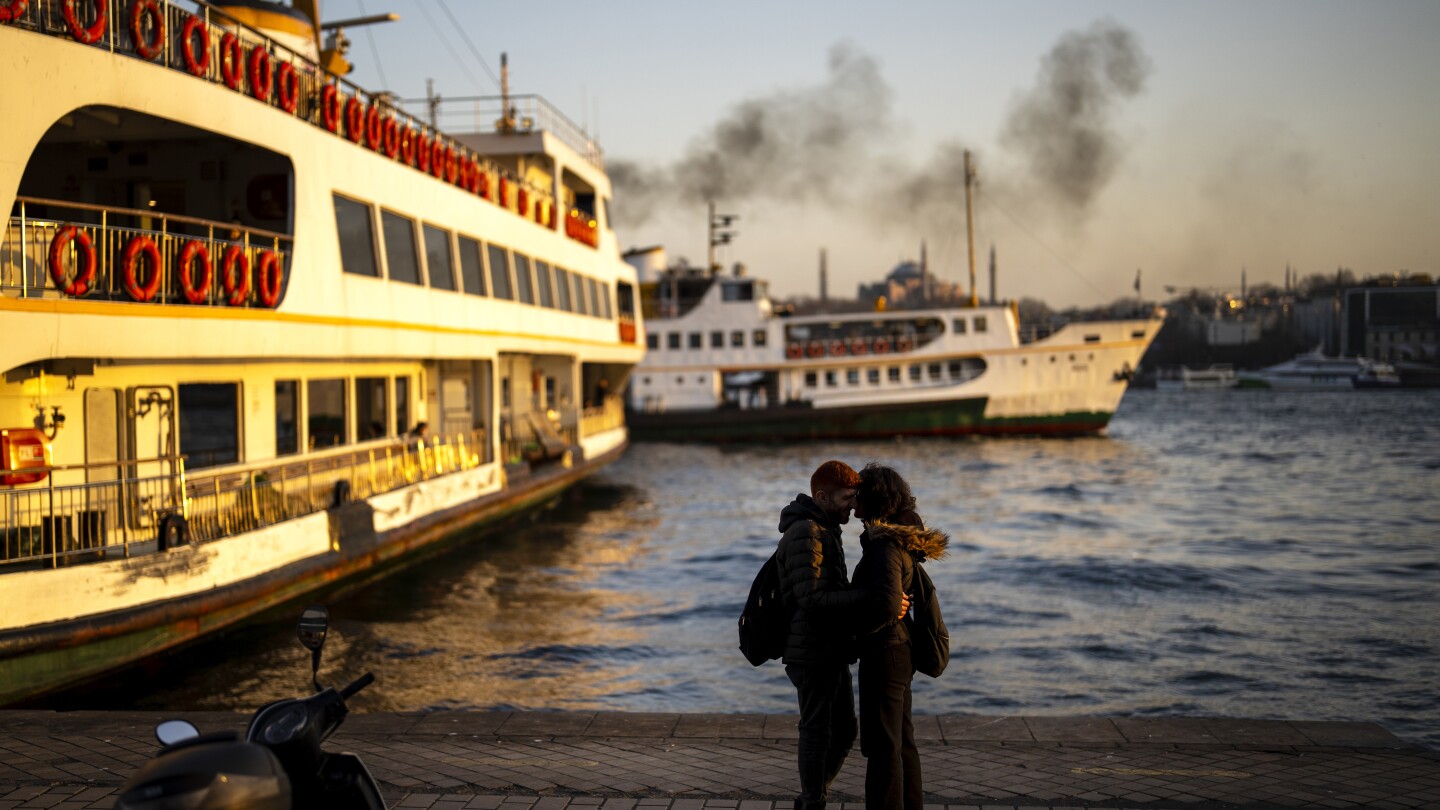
992 274
824 295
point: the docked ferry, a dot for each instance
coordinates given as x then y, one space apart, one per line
265 331
726 364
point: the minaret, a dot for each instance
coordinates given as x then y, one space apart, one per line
992 274
824 295
925 287
1242 284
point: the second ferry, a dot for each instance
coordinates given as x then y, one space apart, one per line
265 331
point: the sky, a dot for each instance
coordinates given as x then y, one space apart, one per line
1185 141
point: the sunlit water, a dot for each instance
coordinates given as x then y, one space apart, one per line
1245 554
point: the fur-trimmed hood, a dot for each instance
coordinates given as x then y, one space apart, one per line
923 544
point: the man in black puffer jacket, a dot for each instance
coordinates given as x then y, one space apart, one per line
819 650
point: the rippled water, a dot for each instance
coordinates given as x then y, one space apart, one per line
1246 554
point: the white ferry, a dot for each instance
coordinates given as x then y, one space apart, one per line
1210 378
264 331
1314 371
724 365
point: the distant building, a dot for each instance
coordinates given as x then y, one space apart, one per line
905 287
1231 333
1392 321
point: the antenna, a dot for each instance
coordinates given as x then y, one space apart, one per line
717 236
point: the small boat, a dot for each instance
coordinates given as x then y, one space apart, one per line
1314 371
1184 378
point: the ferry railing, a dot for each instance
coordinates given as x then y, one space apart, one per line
28 253
526 112
115 33
61 521
607 416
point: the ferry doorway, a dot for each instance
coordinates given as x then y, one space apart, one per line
464 403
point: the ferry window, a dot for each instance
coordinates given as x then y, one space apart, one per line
209 424
287 417
546 289
523 283
980 323
400 254
852 376
325 415
758 338
472 270
357 237
737 339
504 392
959 326
562 289
737 291
695 340
955 369
810 379
717 339
934 371
830 379
402 406
437 258
652 341
893 374
605 310
872 376
594 298
673 340
499 271
371 411
581 305
914 374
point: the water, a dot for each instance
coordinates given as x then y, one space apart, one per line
1244 554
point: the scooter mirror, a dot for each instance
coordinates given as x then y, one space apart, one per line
314 622
174 731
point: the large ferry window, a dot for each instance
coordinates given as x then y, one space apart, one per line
582 306
437 258
872 376
400 255
371 412
402 406
893 374
209 424
545 288
717 339
652 341
934 369
737 291
915 373
980 323
472 270
499 271
562 289
737 339
830 379
758 338
605 310
524 286
357 237
593 297
810 379
959 326
325 414
852 376
287 417
672 340
695 341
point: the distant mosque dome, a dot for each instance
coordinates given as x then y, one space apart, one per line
906 271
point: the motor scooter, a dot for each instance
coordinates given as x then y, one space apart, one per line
278 765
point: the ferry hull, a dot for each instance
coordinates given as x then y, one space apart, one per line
47 658
961 417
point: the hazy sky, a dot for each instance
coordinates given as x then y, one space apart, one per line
1186 139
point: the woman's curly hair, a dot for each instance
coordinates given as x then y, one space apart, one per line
883 494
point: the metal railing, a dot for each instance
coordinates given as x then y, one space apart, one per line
607 416
526 112
59 521
29 255
292 82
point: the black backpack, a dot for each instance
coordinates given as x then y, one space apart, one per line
929 638
764 622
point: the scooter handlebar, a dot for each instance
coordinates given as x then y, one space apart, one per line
360 683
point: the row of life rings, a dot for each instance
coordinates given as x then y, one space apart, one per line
140 269
856 346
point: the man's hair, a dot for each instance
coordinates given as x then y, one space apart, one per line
884 495
833 476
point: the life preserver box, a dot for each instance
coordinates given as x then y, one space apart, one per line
198 63
130 269
837 348
84 262
12 9
794 351
139 10
23 449
235 281
271 273
81 33
195 292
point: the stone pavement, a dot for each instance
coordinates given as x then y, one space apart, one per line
634 761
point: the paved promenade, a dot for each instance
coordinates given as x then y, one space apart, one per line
632 761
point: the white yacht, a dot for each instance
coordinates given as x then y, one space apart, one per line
265 331
1314 371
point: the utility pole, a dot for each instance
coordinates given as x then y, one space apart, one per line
433 101
970 225
717 236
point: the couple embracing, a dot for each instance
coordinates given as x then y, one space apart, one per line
836 619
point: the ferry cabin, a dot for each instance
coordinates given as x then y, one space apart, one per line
239 293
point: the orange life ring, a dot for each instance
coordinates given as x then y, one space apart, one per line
197 64
407 145
374 128
472 176
522 202
231 58
902 344
503 198
837 348
195 293
139 10
262 78
237 285
794 352
271 274
815 349
452 165
330 108
437 157
85 264
12 10
881 346
80 32
287 83
392 137
354 119
129 268
422 154
859 346
482 181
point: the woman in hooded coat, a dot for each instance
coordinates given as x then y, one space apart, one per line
894 541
